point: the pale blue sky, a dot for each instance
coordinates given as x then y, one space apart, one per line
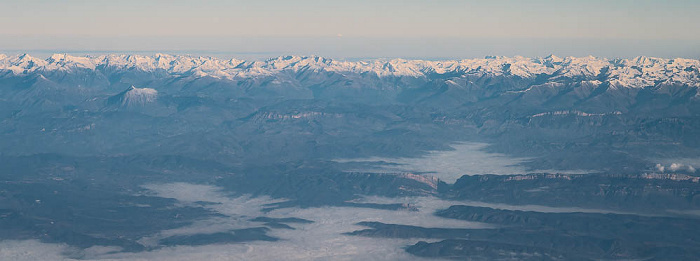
357 28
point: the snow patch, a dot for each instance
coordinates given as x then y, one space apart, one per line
139 96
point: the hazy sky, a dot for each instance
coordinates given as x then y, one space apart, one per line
356 28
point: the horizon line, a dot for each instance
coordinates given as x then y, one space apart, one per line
47 53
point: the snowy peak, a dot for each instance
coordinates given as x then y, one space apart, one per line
20 64
67 62
140 96
638 72
133 96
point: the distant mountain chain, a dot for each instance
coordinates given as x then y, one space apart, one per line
565 112
639 72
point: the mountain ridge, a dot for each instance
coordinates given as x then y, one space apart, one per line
639 72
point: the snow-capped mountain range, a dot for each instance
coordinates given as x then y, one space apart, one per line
639 72
258 111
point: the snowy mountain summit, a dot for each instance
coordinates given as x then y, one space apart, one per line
639 72
140 95
134 97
